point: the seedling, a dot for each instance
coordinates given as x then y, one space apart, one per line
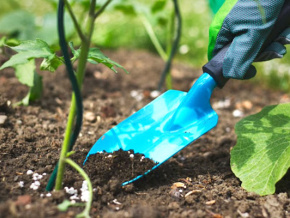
24 64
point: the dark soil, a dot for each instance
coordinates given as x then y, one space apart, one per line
197 182
119 165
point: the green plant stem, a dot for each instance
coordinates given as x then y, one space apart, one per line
168 81
102 8
174 45
76 24
76 101
72 114
170 37
86 211
85 46
65 144
153 37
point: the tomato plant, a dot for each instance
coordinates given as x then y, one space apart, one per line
24 64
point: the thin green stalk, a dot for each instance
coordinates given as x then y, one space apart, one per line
65 144
174 45
102 9
168 81
153 38
86 211
170 37
76 24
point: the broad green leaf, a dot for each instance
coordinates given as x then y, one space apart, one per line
34 92
28 50
19 23
261 156
25 73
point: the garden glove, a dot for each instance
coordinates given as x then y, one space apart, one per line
245 25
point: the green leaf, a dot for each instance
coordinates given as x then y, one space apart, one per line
12 42
51 63
132 8
66 204
19 23
25 73
158 6
2 41
261 156
34 92
95 56
127 9
28 50
76 53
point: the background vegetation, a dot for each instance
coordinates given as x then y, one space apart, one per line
36 19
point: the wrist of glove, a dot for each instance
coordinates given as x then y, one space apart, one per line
245 25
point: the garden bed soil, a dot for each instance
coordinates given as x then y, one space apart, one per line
196 182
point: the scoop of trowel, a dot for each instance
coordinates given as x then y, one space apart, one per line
175 119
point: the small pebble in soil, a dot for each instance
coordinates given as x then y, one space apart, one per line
155 94
176 193
238 113
70 190
137 95
36 176
85 194
3 119
35 185
222 104
48 195
29 172
21 184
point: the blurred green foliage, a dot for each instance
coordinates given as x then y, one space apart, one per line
115 29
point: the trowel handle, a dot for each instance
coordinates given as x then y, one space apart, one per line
215 66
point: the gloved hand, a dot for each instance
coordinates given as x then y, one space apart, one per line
246 24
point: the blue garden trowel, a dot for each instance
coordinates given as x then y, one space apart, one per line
173 120
165 126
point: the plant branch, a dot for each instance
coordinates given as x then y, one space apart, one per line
76 24
102 8
153 38
86 212
174 45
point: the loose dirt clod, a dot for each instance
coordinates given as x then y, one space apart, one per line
119 165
